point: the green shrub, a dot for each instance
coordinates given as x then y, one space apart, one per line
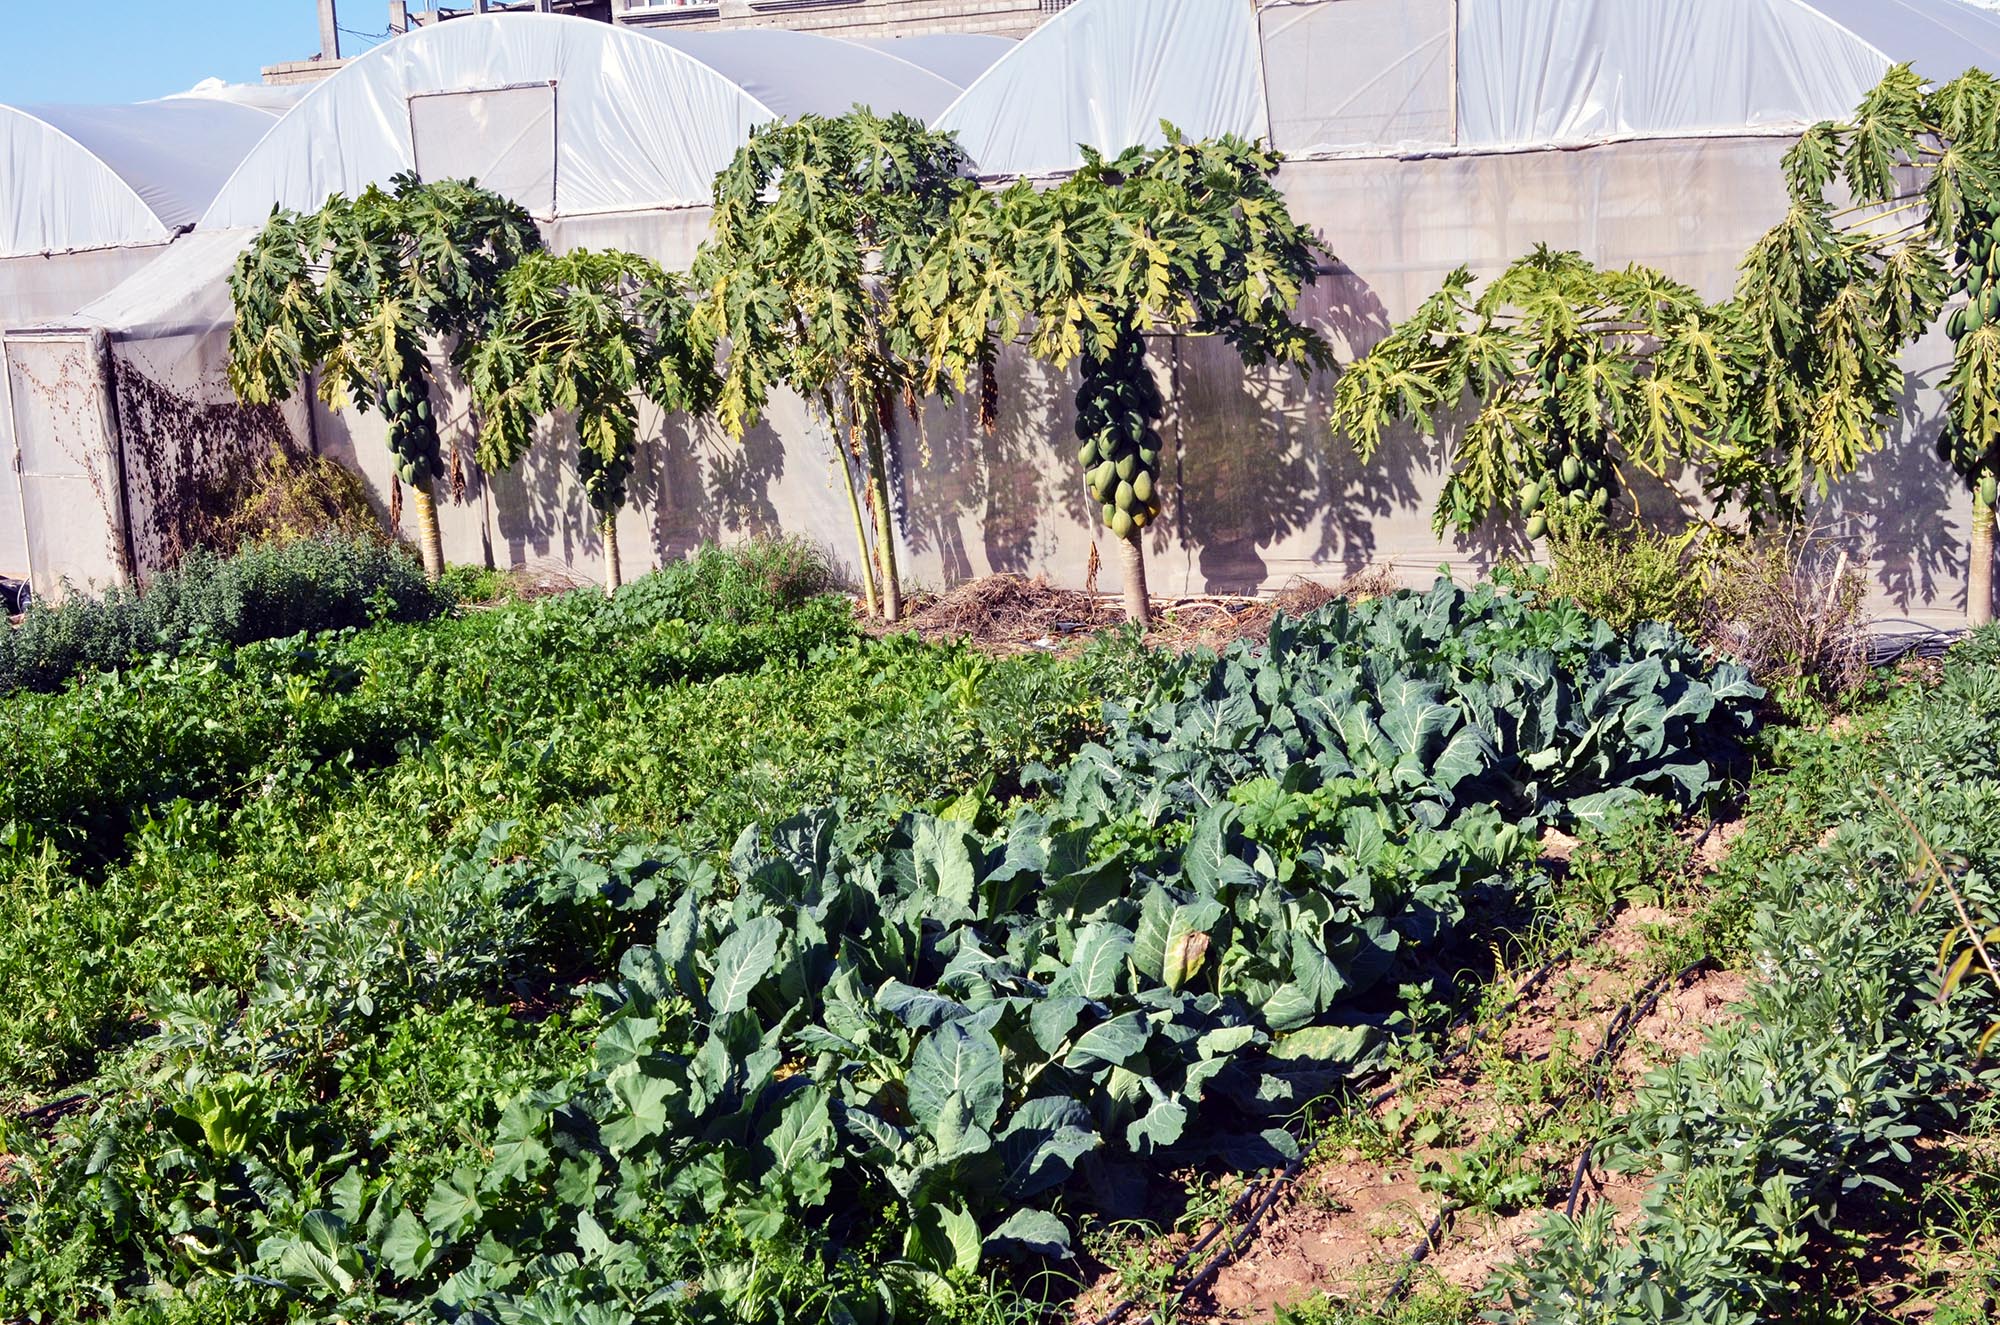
268 592
286 498
1628 576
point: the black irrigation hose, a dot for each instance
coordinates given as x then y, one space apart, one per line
1616 1033
1652 999
1919 641
1416 1257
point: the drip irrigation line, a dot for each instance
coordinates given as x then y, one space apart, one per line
1652 1000
1417 1255
1281 1184
1616 1032
1917 641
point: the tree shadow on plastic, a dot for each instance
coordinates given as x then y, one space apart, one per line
1901 507
539 507
1009 482
698 485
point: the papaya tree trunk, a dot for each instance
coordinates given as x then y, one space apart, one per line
1132 565
885 526
614 571
430 542
1979 574
844 474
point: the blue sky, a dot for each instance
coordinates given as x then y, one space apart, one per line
130 50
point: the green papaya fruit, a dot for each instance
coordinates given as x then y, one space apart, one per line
1975 315
1572 470
1128 465
1955 324
1149 456
1087 454
1142 486
1989 489
1600 499
1530 497
1538 526
1121 525
1110 512
1105 475
1124 500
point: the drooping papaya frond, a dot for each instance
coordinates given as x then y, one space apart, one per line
1562 377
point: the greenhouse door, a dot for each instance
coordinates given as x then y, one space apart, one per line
68 478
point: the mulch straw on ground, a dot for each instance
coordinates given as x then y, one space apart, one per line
1013 613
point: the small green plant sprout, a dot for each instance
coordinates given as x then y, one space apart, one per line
584 336
1191 238
1574 382
357 293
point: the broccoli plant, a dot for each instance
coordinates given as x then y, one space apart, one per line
356 294
584 335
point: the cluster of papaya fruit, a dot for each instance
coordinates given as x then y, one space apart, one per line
1978 254
1576 478
1979 258
604 480
412 430
1574 484
1116 409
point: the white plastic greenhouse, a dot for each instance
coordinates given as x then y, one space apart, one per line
1422 134
605 134
90 195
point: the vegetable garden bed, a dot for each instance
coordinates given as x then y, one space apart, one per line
689 956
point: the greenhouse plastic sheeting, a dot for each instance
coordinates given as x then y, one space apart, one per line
1358 75
643 118
506 140
957 57
1538 72
82 177
179 422
71 517
1105 73
1941 38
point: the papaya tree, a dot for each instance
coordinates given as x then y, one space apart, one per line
357 294
817 224
1895 256
580 337
1567 383
1190 238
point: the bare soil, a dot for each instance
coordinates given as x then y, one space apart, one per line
1348 1225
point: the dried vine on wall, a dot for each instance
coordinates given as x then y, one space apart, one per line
191 465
